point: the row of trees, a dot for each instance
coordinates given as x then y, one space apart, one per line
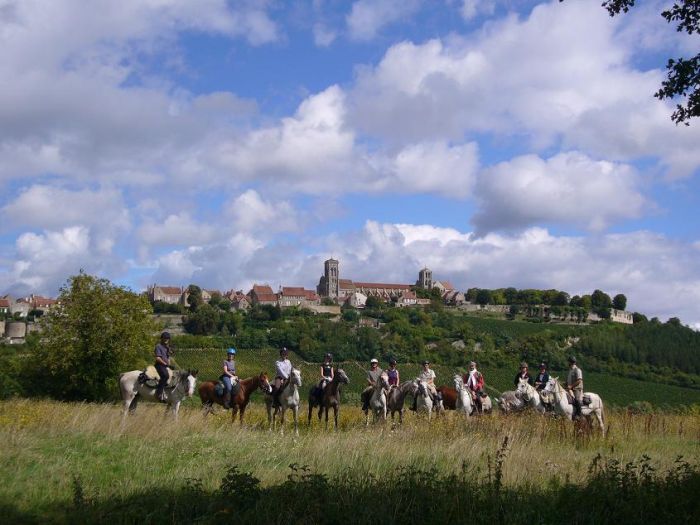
503 296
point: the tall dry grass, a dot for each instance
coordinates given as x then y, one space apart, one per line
47 444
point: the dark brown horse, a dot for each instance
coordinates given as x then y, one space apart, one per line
330 397
239 402
449 397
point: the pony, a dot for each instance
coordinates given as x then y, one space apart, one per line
424 399
239 402
330 397
530 396
396 398
132 389
510 401
289 400
463 402
563 407
378 400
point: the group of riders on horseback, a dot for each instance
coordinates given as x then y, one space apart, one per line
473 379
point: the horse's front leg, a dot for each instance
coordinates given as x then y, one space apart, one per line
176 409
282 414
295 411
269 415
311 409
336 409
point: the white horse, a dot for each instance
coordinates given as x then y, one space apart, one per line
563 407
131 390
530 396
424 401
464 399
378 401
510 401
289 400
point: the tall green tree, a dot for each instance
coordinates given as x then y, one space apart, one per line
194 297
99 331
619 302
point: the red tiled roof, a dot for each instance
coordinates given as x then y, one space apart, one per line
345 283
267 297
409 295
384 286
296 291
311 295
259 289
4 303
447 285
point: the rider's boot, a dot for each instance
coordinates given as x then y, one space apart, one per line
227 400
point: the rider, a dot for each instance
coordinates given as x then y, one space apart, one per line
522 374
162 353
373 375
542 378
283 369
574 384
427 375
393 373
475 383
229 376
326 371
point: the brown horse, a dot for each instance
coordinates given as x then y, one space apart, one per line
449 397
239 402
330 397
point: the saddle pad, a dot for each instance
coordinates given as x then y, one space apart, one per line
151 375
586 398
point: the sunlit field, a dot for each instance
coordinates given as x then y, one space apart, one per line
47 446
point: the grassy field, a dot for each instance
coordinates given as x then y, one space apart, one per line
615 391
61 457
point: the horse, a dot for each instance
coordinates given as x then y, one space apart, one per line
511 401
424 399
530 396
396 398
239 402
289 400
449 397
132 389
563 407
378 400
330 397
464 399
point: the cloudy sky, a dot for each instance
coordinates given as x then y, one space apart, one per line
499 142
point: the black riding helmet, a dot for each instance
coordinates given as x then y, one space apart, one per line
165 336
329 357
284 351
392 361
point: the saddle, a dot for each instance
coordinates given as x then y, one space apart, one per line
220 388
586 399
150 378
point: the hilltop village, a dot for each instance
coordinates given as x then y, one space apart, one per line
18 315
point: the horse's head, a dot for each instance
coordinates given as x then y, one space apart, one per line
295 377
459 382
422 387
264 383
341 376
190 379
383 380
551 384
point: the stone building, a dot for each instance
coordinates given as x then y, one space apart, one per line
262 294
425 279
166 294
329 284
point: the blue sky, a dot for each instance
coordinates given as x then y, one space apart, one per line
231 142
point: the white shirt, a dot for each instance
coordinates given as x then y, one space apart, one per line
427 375
471 382
283 368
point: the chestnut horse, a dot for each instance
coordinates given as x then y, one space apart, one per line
239 402
449 397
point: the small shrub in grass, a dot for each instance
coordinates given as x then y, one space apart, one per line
241 488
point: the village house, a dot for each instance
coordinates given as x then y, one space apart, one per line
4 305
262 294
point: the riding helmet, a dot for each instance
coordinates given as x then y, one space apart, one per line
572 359
165 336
231 351
426 363
392 361
373 360
329 356
284 351
543 365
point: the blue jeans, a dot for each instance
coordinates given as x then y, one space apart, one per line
163 373
227 383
